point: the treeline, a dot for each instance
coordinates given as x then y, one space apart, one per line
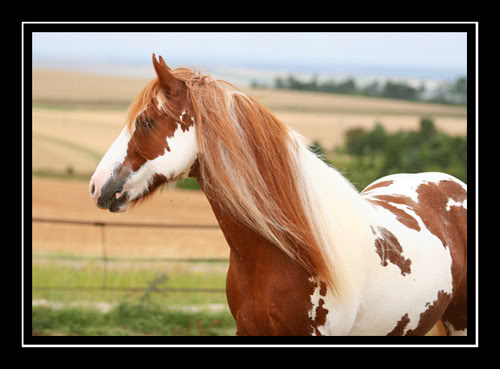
446 93
376 153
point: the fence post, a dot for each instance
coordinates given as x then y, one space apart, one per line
104 253
153 287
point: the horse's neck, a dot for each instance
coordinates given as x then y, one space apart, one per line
238 235
244 242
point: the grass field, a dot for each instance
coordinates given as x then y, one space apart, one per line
163 283
130 320
76 117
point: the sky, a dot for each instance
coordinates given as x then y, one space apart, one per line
322 52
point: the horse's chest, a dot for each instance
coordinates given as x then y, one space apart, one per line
272 297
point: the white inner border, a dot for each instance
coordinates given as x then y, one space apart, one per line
256 345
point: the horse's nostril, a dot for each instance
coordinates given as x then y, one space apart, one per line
92 189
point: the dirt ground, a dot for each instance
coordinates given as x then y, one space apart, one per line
71 201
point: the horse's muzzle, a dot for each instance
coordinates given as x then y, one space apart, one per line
110 194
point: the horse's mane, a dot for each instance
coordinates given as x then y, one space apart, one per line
248 162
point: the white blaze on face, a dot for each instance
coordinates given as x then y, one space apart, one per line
113 158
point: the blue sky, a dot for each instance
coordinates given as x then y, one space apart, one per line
323 51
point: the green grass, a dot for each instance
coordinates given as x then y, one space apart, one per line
130 320
92 280
188 184
139 312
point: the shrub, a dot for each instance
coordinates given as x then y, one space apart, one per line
377 153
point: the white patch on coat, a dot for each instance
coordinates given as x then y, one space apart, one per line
452 202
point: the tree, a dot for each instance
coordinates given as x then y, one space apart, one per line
427 128
459 90
376 153
347 87
372 89
279 83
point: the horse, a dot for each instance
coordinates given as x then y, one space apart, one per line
309 254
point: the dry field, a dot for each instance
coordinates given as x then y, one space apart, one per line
76 137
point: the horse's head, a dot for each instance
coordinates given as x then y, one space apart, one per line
157 145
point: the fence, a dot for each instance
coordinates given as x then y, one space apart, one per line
107 260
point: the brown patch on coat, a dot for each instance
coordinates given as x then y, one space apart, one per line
400 326
322 289
320 318
390 250
431 316
450 226
433 199
402 216
377 185
320 312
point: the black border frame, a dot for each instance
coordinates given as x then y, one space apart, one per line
472 31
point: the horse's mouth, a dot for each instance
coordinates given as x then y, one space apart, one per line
120 203
115 203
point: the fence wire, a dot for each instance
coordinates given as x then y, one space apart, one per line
107 260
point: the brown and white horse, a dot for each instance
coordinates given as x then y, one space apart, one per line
309 254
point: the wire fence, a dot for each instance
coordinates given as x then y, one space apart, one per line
152 286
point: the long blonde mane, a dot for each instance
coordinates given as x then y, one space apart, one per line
250 163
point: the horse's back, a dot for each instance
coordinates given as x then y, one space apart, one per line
438 199
429 208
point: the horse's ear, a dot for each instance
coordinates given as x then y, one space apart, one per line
171 84
162 63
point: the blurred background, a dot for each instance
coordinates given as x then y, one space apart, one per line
371 104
